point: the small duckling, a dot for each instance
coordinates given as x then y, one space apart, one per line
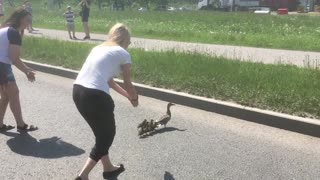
153 124
140 132
143 123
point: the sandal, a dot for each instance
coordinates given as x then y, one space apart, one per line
86 37
115 173
78 178
5 128
27 128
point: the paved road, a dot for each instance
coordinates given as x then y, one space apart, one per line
269 56
196 145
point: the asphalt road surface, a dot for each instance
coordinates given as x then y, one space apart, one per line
196 145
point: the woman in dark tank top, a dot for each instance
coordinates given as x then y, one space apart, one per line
11 41
85 12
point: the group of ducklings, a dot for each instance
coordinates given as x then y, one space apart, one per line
147 127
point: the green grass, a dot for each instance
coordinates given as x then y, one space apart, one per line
294 32
281 88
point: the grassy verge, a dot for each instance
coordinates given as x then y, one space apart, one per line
280 88
280 32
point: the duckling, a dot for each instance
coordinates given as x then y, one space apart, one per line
143 123
166 118
148 128
153 124
140 132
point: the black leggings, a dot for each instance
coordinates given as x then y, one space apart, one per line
97 108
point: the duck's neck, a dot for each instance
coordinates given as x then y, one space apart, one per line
168 110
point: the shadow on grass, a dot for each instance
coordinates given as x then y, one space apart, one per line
97 40
162 130
168 176
49 148
35 33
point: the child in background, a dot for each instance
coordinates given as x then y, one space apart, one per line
69 15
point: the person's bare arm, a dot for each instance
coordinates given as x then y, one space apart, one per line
80 3
133 96
87 4
115 86
84 1
14 55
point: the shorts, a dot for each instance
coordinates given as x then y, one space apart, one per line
85 16
70 26
6 74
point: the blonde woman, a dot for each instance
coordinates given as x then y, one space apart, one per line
92 98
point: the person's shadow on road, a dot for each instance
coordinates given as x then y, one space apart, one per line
168 176
49 148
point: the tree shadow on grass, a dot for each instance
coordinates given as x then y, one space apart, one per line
49 148
36 33
168 176
97 40
162 130
92 40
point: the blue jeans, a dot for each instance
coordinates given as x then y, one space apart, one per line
6 74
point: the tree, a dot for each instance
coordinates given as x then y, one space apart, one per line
99 3
144 3
59 3
11 3
162 4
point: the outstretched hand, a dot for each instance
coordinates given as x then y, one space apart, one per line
135 103
31 75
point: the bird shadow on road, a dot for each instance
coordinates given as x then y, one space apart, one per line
162 130
48 148
168 176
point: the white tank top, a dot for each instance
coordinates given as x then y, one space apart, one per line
102 64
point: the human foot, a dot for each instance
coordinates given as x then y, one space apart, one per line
26 128
86 37
81 178
113 172
5 128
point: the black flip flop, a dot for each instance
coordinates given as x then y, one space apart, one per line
5 128
115 173
78 178
27 128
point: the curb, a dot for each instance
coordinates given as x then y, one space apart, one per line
278 120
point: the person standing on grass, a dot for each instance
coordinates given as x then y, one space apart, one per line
85 12
69 15
1 9
92 98
10 43
28 7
